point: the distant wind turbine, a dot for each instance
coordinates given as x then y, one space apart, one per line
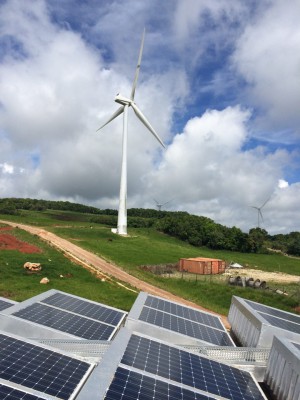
160 205
125 104
259 213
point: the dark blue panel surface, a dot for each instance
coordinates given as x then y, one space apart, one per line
8 393
85 308
130 385
66 322
281 323
40 369
184 312
274 312
4 304
185 327
190 369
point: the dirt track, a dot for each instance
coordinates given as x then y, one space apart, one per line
98 265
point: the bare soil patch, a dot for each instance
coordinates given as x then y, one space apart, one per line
9 242
278 277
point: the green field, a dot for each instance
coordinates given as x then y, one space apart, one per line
144 246
17 284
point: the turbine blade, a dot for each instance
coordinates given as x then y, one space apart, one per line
265 202
115 115
137 71
147 124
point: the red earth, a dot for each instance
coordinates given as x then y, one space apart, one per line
9 242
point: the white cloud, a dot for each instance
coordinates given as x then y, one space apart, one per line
7 168
268 57
56 90
207 171
193 162
282 184
55 98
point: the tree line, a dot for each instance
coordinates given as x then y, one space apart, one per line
196 230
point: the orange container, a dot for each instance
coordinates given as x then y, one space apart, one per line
202 266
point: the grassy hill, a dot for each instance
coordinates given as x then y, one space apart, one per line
144 246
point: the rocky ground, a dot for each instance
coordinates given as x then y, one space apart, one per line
278 277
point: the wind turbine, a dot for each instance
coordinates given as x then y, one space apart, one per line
259 213
160 205
125 104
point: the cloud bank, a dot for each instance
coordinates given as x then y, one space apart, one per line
217 86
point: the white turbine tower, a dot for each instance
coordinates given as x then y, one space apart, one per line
259 213
125 104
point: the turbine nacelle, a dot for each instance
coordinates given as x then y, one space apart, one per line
122 100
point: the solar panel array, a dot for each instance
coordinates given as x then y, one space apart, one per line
274 312
185 320
40 369
176 369
4 304
184 312
75 316
149 368
277 318
129 385
281 323
9 393
85 308
66 322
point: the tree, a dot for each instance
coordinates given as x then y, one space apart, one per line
256 239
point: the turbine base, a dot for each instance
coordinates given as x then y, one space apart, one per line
119 231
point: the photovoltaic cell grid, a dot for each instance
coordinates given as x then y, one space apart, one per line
184 312
9 393
185 327
281 323
274 312
40 369
129 385
190 369
85 308
4 304
66 322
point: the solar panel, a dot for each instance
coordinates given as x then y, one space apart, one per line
131 385
274 312
38 368
185 327
65 321
190 369
4 304
184 312
281 323
85 308
9 393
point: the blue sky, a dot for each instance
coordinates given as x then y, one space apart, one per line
219 82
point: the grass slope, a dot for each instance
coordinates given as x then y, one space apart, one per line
17 284
147 246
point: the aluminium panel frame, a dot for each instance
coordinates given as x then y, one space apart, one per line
283 370
251 329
